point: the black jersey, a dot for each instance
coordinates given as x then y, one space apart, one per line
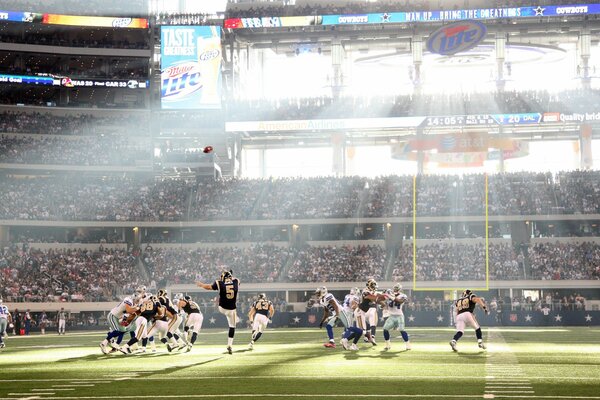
149 309
465 304
190 307
166 302
228 290
262 307
365 303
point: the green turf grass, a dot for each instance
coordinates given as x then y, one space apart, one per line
289 363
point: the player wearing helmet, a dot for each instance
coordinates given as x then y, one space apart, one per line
116 321
175 337
228 287
393 303
5 320
147 312
367 316
464 308
194 320
332 312
260 315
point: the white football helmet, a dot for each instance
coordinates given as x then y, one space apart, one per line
321 292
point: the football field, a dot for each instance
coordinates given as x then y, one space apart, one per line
552 363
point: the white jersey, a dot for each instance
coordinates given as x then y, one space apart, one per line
3 311
348 302
393 308
120 310
325 302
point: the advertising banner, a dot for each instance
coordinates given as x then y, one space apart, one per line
272 22
190 67
106 22
18 16
323 124
480 14
64 81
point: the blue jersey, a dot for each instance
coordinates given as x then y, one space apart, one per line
3 311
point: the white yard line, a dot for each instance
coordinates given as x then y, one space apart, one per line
325 395
504 375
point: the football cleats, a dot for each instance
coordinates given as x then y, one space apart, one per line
397 288
262 296
161 293
321 292
226 275
467 293
371 284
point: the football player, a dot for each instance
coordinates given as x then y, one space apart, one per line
348 300
194 320
395 317
149 310
115 317
161 326
177 339
367 316
464 308
5 320
332 312
228 287
260 315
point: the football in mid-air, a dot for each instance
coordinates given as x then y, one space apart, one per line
208 149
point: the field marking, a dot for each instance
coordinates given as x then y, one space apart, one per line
252 395
158 378
508 377
509 391
75 385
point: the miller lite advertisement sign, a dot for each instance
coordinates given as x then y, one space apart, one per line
457 37
190 67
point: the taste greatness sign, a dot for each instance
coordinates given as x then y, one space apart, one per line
190 67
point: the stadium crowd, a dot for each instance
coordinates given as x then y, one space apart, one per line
41 35
85 275
448 261
64 275
337 264
256 263
108 150
93 199
520 193
559 261
79 124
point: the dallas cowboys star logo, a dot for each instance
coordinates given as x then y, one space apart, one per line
411 318
528 318
539 11
296 320
558 318
385 17
588 318
440 318
212 320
